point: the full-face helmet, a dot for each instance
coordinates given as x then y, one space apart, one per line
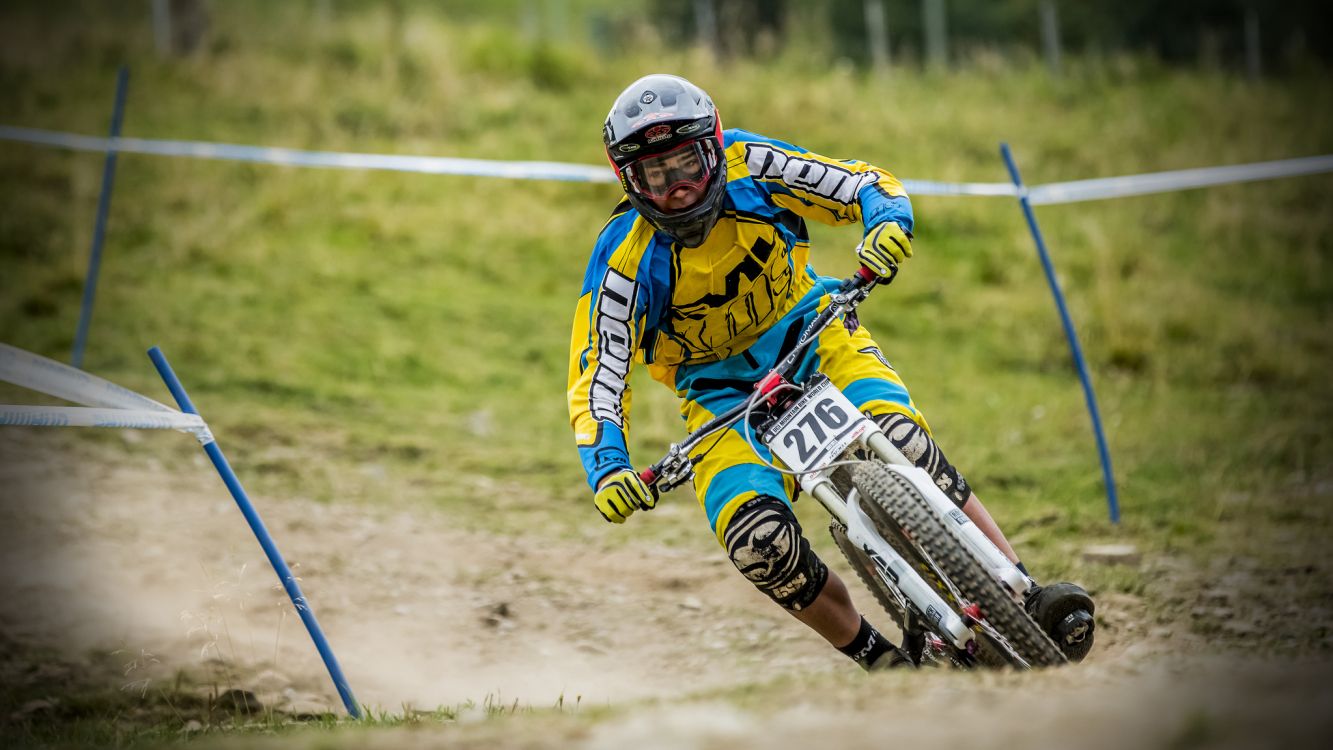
663 134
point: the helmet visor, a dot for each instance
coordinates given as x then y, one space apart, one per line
688 166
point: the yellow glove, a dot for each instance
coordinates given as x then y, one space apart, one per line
885 247
622 493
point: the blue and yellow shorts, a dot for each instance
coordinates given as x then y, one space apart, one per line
729 473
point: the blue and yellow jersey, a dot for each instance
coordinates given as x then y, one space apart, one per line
649 300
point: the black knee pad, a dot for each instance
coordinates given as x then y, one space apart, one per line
765 543
917 445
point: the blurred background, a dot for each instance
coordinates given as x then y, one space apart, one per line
396 310
392 340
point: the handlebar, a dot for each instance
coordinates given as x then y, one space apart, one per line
864 276
853 291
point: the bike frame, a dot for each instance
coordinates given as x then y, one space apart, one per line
896 572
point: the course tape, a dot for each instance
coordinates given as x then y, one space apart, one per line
930 187
1184 179
515 170
82 416
1053 193
37 373
105 404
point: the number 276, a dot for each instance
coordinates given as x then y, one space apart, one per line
825 413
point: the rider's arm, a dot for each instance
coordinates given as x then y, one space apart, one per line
815 187
608 325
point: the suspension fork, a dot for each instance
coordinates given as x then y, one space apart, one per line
891 567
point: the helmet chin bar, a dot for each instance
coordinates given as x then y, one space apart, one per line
693 232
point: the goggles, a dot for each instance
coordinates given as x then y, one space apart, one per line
687 166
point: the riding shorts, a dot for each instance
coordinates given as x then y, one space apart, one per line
728 472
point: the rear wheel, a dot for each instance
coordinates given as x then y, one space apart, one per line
907 522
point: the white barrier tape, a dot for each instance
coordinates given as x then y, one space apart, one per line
516 170
1184 179
81 416
1053 193
930 187
37 373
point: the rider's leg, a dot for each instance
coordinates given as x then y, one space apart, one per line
764 541
981 517
832 614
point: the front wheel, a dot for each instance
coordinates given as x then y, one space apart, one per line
905 519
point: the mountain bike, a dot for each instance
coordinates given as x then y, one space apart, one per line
931 569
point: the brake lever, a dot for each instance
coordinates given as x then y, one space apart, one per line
671 472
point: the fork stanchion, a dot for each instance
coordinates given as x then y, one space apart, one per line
1112 501
265 540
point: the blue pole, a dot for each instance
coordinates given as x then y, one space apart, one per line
1112 501
99 231
257 526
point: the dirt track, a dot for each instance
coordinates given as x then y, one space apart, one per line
146 560
156 565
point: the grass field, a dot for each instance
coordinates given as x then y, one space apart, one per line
330 321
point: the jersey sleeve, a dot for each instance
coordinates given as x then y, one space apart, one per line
608 326
818 188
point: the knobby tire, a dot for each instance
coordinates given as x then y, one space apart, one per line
896 506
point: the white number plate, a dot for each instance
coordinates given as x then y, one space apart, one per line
816 429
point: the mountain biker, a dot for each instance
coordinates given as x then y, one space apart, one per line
702 273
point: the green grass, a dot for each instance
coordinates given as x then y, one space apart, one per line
422 322
326 321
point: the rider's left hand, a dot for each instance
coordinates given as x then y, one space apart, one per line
885 247
622 493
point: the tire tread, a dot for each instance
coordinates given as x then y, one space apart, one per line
890 500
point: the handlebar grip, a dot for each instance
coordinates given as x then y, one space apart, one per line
864 278
867 278
648 475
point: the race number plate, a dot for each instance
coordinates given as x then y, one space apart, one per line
816 429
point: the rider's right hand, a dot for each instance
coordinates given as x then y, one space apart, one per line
885 247
622 493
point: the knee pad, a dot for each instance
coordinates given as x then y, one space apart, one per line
765 543
919 448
